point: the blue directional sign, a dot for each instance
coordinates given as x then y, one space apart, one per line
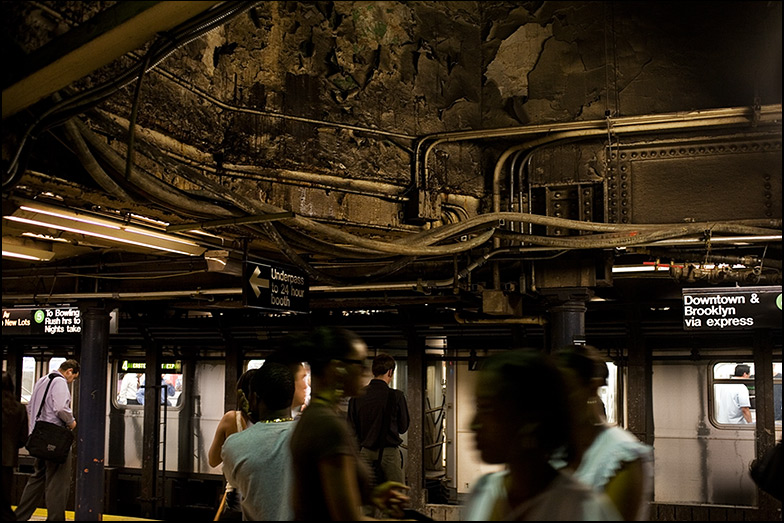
275 288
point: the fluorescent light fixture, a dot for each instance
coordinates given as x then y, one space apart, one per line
634 268
646 267
21 252
61 219
44 237
733 240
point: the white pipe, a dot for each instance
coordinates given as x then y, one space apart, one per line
152 295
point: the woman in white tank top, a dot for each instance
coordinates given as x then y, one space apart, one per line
232 422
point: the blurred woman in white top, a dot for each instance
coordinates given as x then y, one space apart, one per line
522 416
605 457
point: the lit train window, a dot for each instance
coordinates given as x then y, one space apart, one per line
29 374
734 398
28 378
608 393
733 394
129 384
54 364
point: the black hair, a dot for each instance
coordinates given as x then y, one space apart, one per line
8 382
383 363
533 388
741 369
322 345
70 364
9 394
244 391
585 360
287 355
274 385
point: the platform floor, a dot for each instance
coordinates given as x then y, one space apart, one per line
40 515
436 512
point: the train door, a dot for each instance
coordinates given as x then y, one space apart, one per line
701 456
463 462
125 412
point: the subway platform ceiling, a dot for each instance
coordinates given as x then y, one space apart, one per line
485 158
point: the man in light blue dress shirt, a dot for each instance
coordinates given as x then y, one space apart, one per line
53 479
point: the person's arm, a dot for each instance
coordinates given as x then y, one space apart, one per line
61 396
352 416
390 497
744 403
229 468
226 427
24 424
625 489
122 396
140 392
341 490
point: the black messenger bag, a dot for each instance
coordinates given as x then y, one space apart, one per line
49 441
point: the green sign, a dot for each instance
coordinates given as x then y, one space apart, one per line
172 367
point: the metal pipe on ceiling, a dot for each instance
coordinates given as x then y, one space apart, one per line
150 295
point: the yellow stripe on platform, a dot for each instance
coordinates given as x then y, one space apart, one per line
41 513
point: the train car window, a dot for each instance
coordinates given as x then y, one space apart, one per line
608 394
777 394
129 384
54 364
733 394
28 378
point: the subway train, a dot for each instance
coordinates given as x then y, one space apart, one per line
701 464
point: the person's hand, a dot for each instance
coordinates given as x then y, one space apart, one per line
390 498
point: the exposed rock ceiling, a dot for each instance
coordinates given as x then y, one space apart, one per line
379 126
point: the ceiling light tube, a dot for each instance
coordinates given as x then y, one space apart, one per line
65 220
634 268
26 253
44 237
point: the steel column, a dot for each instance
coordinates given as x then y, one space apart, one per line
91 423
149 499
416 400
567 318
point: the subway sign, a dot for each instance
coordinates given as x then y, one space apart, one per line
49 320
274 288
172 367
45 320
732 308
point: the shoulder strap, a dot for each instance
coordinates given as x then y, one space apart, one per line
41 408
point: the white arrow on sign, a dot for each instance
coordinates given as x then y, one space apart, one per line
256 281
